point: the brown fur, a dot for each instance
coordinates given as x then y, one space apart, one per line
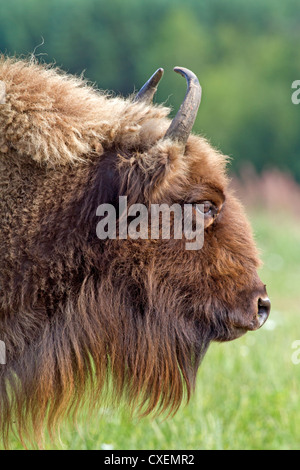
77 312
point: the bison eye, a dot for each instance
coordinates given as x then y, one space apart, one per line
210 211
208 208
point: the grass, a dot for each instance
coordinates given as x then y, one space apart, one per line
248 391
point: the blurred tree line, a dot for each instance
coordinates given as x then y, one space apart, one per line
245 53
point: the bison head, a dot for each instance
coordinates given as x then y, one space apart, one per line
79 315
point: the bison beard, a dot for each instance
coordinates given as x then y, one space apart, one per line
82 317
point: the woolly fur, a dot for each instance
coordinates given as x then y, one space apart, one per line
57 118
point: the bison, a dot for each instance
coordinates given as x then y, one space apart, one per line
86 320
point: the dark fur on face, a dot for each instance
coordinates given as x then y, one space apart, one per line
79 315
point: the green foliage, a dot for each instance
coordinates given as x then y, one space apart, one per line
245 54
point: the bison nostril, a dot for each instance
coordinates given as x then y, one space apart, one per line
264 307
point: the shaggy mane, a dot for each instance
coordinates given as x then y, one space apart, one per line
57 118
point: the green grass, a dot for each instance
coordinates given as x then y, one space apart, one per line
248 391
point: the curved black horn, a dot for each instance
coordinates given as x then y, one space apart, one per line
147 91
183 122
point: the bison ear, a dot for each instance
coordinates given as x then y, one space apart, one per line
166 167
149 177
2 92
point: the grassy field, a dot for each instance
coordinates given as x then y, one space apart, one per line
248 391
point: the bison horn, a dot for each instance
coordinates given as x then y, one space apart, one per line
147 91
183 122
